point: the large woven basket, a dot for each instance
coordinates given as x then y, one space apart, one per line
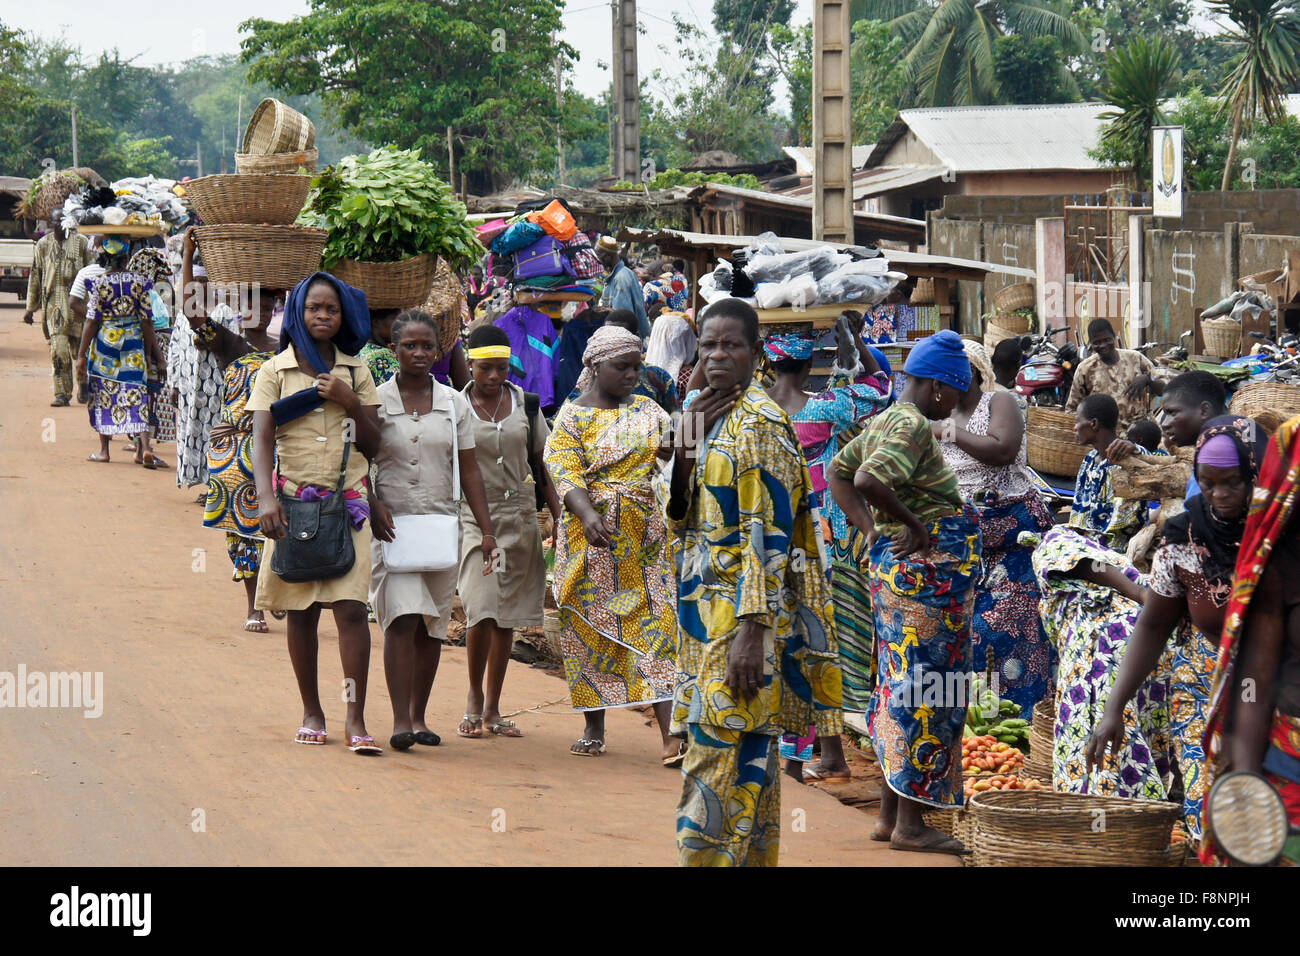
1051 418
1004 325
274 199
1019 295
1041 828
275 257
1048 454
923 293
390 285
1268 403
1222 337
52 194
444 304
303 159
1042 740
276 128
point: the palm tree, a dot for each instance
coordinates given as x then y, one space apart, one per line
1265 39
1138 77
950 55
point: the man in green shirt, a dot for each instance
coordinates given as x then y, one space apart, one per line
59 257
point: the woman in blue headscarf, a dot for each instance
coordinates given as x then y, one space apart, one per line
924 567
310 404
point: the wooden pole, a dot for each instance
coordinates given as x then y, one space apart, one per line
75 159
625 161
832 109
451 161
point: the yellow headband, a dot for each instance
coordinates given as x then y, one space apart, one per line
489 352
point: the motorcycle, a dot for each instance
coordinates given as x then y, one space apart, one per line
1047 372
1249 820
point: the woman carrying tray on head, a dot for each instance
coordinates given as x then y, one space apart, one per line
309 404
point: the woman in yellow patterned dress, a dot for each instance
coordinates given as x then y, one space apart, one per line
614 583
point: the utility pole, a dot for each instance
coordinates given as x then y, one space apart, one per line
451 162
75 157
625 161
559 114
198 156
832 121
239 123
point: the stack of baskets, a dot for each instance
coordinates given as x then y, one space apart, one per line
1268 403
1005 325
278 139
1038 762
249 237
1222 337
1050 442
1038 828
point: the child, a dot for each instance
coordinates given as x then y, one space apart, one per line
1145 434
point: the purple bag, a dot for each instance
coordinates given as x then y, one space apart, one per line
545 257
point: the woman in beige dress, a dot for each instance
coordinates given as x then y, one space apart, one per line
422 424
309 403
509 449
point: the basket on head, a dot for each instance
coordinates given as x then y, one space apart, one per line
275 199
1005 325
1042 828
444 304
1018 295
276 128
1268 403
390 285
1222 337
923 294
274 257
292 162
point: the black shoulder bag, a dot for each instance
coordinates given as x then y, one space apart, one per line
533 405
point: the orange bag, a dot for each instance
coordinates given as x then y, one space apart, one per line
556 220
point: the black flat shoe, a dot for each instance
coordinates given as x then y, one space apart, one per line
427 738
402 741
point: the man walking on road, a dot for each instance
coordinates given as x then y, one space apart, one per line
622 288
757 655
59 257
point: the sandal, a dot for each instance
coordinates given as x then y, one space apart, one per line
471 719
427 738
279 615
813 775
676 759
317 736
504 727
364 745
148 461
257 627
402 741
949 845
102 459
586 743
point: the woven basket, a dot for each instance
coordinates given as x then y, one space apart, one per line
955 822
276 128
1042 739
51 195
254 198
275 257
1222 337
1050 418
1002 326
1049 454
923 294
390 285
443 302
277 162
1040 828
1268 403
1019 295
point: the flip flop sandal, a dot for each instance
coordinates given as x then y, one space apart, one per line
310 732
505 728
403 741
148 461
279 615
365 746
811 775
253 625
676 759
102 459
427 738
473 719
586 743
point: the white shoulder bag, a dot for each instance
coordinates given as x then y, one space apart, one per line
428 542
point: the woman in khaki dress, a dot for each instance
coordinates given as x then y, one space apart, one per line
414 476
511 596
307 403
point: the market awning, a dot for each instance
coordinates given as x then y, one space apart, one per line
14 186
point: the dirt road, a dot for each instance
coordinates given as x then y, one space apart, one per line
106 568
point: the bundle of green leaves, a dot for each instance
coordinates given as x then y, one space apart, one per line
386 206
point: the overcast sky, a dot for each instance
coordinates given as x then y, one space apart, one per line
166 32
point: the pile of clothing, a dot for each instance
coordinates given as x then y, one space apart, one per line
768 277
554 261
136 200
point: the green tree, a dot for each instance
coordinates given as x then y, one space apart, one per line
745 22
792 54
1031 70
1205 138
879 78
1265 43
950 43
1272 150
1139 77
403 71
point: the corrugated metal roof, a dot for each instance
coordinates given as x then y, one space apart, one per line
980 139
803 157
873 182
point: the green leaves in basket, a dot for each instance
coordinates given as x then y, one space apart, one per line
387 206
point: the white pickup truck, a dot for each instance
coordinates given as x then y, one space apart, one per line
16 265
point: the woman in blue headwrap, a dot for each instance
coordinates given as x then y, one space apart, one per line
309 403
924 568
857 390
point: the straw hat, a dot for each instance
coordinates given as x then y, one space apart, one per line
607 244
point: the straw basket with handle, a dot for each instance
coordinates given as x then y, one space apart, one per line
1042 828
1018 295
275 257
274 199
277 128
291 162
1222 337
1269 403
390 285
